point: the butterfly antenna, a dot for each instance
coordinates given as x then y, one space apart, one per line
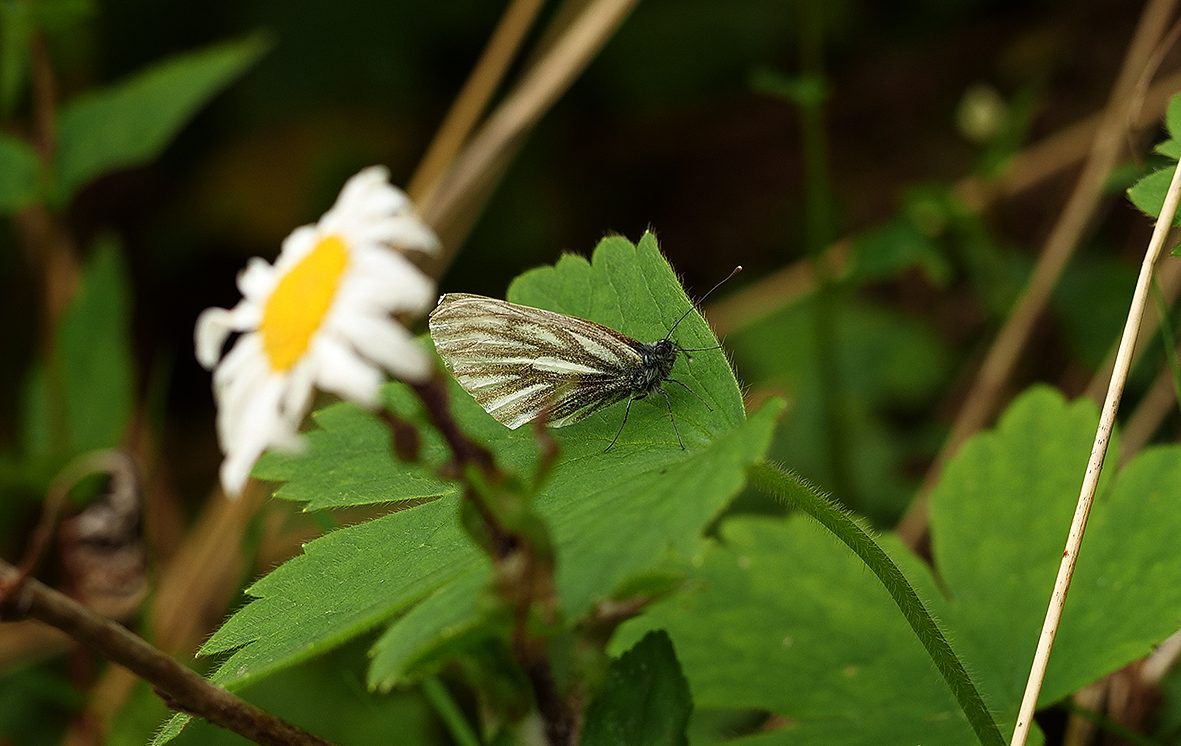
733 272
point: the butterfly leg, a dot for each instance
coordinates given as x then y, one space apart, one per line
626 412
671 419
691 391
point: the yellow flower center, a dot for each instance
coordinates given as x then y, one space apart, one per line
301 298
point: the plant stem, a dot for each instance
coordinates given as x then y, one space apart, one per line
524 564
1078 525
181 688
818 211
790 488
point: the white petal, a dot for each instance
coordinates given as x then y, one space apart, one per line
387 280
215 324
257 280
389 345
365 181
297 398
343 373
298 244
404 232
235 396
260 424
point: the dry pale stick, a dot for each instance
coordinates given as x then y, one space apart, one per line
1078 525
473 99
540 87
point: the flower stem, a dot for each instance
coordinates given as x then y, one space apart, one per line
791 489
518 545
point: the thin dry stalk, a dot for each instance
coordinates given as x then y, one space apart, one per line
1078 525
982 400
540 87
473 98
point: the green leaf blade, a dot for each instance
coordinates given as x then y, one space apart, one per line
1148 194
644 700
20 173
89 405
781 619
131 123
999 519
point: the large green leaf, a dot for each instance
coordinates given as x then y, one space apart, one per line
131 123
349 461
615 517
19 173
783 620
999 518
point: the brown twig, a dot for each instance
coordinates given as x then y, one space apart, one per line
180 687
994 373
433 394
524 568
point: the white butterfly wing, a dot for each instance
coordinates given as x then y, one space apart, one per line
520 363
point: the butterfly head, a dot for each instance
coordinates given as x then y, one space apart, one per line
658 359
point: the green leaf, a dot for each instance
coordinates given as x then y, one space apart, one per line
20 170
999 519
349 461
615 517
1148 194
776 603
1169 148
1173 117
131 123
784 620
644 700
16 26
886 252
85 401
324 697
807 91
445 620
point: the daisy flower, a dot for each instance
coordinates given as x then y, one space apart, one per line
320 317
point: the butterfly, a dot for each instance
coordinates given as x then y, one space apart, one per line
522 363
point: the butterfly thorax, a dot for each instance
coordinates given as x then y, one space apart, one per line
658 359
